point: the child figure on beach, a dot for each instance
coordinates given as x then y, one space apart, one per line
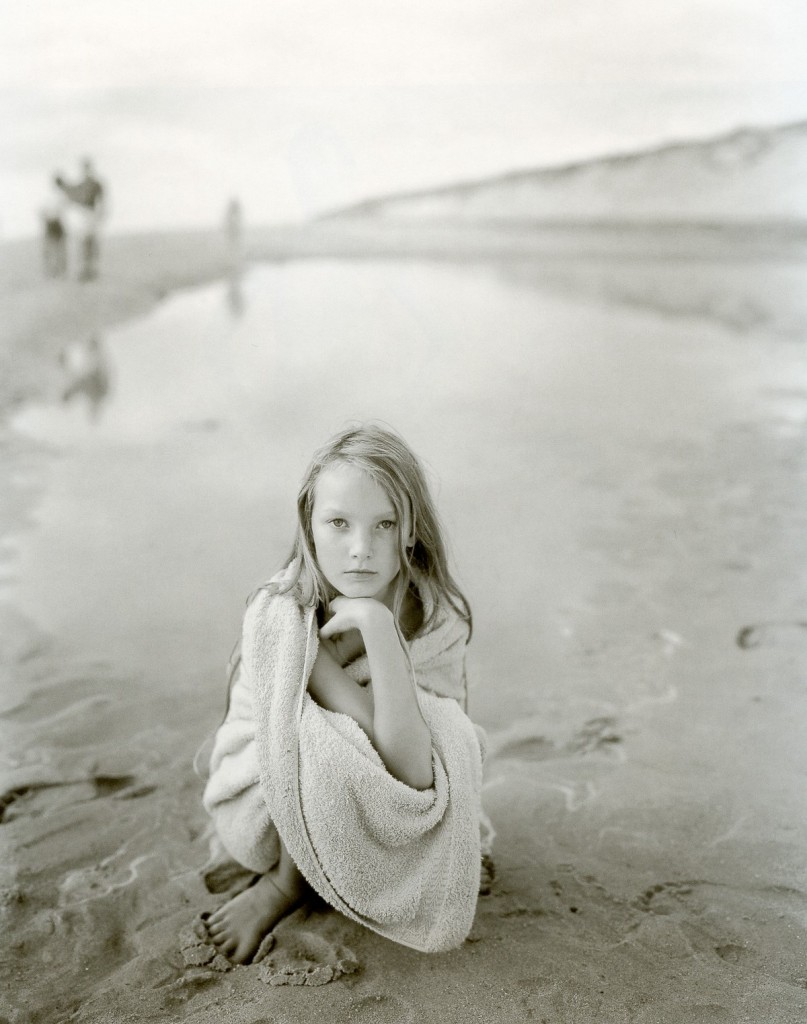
346 761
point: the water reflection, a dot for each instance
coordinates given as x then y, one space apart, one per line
513 388
236 303
87 374
234 237
742 295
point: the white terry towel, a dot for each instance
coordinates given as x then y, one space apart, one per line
401 861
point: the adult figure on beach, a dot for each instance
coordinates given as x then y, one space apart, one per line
54 236
88 199
233 229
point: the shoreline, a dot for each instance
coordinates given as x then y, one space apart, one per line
41 316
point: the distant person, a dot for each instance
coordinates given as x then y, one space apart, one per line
54 238
88 198
234 231
346 759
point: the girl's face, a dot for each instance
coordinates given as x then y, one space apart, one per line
356 529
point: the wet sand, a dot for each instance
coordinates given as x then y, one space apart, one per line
635 556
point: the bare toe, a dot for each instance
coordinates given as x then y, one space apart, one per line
241 955
238 928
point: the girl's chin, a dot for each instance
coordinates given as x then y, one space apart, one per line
367 590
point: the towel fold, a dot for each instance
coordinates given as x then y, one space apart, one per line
401 861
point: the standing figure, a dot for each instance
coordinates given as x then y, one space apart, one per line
88 198
233 229
346 761
54 238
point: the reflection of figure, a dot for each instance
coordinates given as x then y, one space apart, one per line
89 201
87 373
233 230
381 813
54 240
235 294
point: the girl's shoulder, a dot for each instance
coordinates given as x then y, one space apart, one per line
283 583
273 623
277 599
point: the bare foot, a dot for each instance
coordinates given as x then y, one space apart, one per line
237 928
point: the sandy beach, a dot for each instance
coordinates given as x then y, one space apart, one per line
616 428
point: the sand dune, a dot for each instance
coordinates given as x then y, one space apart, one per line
749 175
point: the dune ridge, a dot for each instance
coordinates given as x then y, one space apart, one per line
750 174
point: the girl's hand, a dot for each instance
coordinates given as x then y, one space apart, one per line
361 613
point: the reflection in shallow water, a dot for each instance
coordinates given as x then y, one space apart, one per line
235 292
87 373
742 295
158 519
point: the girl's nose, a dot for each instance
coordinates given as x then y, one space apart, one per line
361 545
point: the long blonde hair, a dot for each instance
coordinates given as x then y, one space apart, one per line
387 459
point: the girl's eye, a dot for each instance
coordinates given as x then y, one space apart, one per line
338 523
387 524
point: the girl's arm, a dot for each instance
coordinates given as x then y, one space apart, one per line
333 689
397 731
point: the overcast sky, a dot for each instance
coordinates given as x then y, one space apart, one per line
301 105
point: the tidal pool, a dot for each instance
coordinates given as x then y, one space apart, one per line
172 465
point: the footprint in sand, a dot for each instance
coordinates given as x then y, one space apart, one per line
120 787
42 707
379 1009
531 748
734 954
300 957
594 735
771 634
656 899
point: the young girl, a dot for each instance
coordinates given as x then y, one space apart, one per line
345 760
